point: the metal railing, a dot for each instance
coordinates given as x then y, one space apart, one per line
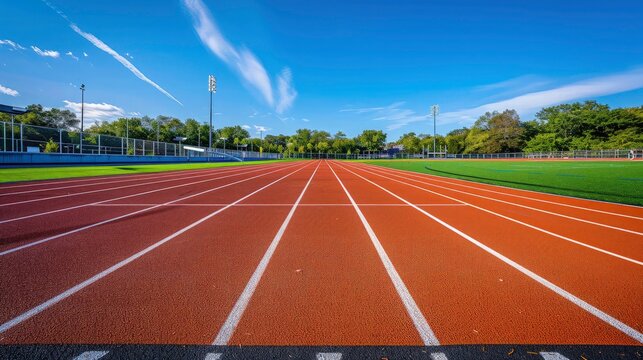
21 137
571 154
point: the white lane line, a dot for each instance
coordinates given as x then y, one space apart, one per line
439 356
627 330
158 176
552 356
71 291
37 242
328 356
421 325
431 177
229 326
213 356
273 205
528 207
241 171
137 194
562 237
91 355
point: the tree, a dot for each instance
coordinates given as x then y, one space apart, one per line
372 140
410 142
505 132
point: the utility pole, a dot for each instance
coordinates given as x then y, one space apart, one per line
82 115
435 109
212 88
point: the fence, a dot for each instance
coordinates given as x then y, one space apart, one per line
18 137
571 154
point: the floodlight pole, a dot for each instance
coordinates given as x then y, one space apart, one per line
82 115
199 132
212 87
434 109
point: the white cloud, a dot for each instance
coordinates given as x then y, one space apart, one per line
96 112
526 104
101 45
287 93
305 120
8 91
247 127
135 113
531 102
242 60
395 113
260 128
85 54
129 56
46 53
13 45
71 55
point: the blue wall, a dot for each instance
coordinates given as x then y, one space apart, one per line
15 158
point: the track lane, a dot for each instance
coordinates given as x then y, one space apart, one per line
567 202
14 235
45 204
617 242
40 272
338 290
180 292
466 294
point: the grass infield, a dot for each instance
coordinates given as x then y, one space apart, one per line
614 181
61 172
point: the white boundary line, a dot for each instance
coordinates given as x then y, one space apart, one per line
634 261
230 325
414 312
428 177
510 188
624 328
138 194
37 242
241 171
527 207
71 291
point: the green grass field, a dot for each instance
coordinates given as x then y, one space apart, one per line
615 181
60 172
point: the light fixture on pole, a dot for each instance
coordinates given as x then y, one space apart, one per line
212 88
82 115
435 109
224 139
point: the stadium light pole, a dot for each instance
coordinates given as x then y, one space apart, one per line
212 88
224 139
435 109
82 115
199 134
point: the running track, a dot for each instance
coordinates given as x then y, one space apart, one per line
316 253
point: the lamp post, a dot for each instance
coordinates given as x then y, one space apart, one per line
199 135
127 134
212 88
82 115
224 139
435 109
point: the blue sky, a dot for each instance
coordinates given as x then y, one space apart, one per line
331 65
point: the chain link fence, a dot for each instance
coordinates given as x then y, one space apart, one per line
18 137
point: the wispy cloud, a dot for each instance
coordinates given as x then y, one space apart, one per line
260 128
247 127
396 113
46 53
8 91
287 92
85 54
305 120
71 55
531 102
96 112
129 56
526 104
12 45
102 46
242 60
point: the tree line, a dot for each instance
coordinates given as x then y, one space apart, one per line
576 126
